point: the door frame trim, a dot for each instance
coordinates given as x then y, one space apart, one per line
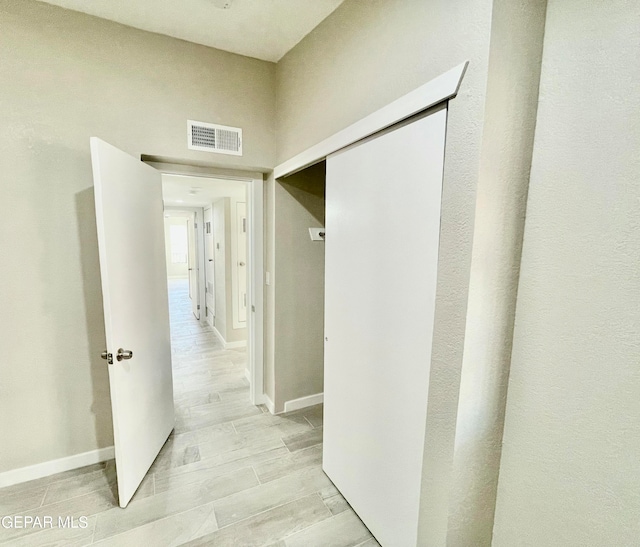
255 238
427 95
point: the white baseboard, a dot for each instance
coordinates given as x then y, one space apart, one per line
238 344
269 404
218 335
228 345
303 402
44 469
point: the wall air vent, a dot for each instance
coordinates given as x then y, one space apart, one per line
209 137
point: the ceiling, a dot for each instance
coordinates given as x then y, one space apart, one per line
264 29
185 191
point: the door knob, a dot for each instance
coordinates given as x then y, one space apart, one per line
124 354
241 263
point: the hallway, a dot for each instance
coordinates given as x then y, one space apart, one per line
230 473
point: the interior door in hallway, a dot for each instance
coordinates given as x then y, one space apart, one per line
240 317
194 293
381 256
129 215
209 265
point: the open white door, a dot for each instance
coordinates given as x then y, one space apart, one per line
209 265
240 315
129 214
194 293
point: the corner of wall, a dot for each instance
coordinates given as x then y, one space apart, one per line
269 293
515 57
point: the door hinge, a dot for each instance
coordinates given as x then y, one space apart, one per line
244 225
108 357
198 307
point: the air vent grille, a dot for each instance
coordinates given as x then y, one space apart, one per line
203 136
208 137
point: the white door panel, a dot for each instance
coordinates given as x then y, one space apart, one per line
382 233
241 266
194 293
129 214
209 264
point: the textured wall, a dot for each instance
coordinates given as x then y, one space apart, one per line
65 77
512 97
569 474
299 295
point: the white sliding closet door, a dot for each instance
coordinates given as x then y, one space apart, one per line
382 232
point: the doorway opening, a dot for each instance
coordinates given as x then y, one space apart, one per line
213 236
206 224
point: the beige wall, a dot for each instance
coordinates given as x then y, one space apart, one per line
512 97
569 474
66 77
364 55
299 297
178 270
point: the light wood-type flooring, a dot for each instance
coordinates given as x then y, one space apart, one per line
231 474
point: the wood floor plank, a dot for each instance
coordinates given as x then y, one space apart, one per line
303 440
202 396
116 520
216 413
315 415
296 461
283 424
336 504
208 468
25 487
179 449
246 444
169 531
80 485
343 530
21 500
267 496
270 526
